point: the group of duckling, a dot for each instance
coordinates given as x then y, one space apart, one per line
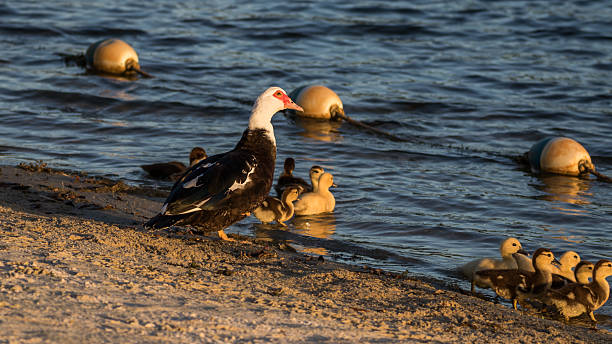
543 279
310 199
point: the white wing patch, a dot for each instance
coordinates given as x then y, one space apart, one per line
191 183
163 209
194 182
196 207
237 185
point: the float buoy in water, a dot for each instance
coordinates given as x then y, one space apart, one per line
318 102
560 155
113 56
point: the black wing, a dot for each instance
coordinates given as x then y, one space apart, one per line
206 185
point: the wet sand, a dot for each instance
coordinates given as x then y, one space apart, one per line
76 266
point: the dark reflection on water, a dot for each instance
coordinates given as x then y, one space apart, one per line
470 84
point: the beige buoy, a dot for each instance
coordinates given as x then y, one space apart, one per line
318 102
113 56
560 155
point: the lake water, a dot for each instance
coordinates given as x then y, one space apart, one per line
469 84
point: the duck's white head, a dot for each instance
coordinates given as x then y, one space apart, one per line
510 246
273 100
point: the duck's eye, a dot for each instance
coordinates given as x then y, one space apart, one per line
514 244
575 257
279 93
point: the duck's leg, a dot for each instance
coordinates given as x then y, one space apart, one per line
515 303
592 316
472 287
224 236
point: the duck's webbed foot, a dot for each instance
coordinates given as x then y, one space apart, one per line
224 236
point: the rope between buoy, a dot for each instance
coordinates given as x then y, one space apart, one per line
600 176
143 73
339 114
586 167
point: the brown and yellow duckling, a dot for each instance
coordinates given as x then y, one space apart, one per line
575 299
516 285
315 173
320 200
174 169
288 179
279 210
584 272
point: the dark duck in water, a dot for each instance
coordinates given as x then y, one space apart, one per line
174 169
288 179
225 188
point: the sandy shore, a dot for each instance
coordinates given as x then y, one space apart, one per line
76 266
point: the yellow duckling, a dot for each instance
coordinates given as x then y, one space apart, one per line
568 260
272 209
319 201
315 174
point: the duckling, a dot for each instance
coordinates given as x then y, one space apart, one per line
601 271
315 174
560 281
287 178
272 209
174 169
196 155
575 299
517 284
541 280
507 248
568 260
319 201
583 272
524 262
